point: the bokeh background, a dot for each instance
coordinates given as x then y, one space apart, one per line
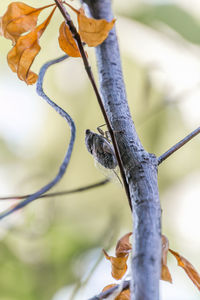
53 248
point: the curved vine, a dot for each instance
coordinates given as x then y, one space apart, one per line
67 157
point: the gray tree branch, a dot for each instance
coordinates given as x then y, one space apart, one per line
109 292
140 167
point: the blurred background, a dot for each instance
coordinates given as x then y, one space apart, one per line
53 248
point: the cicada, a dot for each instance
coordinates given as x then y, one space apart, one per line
101 149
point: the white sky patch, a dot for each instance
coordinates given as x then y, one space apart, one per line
184 212
69 76
173 64
191 6
178 290
21 116
156 50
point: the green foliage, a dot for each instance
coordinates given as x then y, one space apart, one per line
171 15
36 267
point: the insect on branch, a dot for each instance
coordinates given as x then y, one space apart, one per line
99 99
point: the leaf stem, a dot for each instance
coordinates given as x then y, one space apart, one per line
99 99
178 145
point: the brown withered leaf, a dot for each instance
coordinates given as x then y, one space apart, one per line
188 268
123 245
124 295
22 55
93 32
118 264
165 274
67 42
19 18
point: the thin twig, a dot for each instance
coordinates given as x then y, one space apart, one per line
178 145
109 292
61 193
92 80
67 157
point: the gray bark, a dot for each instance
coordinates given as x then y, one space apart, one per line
140 166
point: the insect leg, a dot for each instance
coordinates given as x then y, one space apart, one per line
100 130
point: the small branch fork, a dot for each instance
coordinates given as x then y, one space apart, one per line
76 36
106 294
178 145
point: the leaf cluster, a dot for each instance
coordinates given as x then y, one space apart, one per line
21 18
119 264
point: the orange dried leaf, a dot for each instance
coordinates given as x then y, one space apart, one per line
124 295
93 32
19 18
118 264
22 55
67 42
107 287
188 268
123 245
165 274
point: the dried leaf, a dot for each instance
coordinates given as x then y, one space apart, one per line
122 251
124 295
19 18
67 42
93 32
22 55
188 268
118 264
165 274
123 245
107 287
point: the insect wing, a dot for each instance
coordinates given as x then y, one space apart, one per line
101 149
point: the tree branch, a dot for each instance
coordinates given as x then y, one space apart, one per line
61 193
178 145
104 295
140 167
67 157
98 96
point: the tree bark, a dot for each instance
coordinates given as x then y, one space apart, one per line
140 167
